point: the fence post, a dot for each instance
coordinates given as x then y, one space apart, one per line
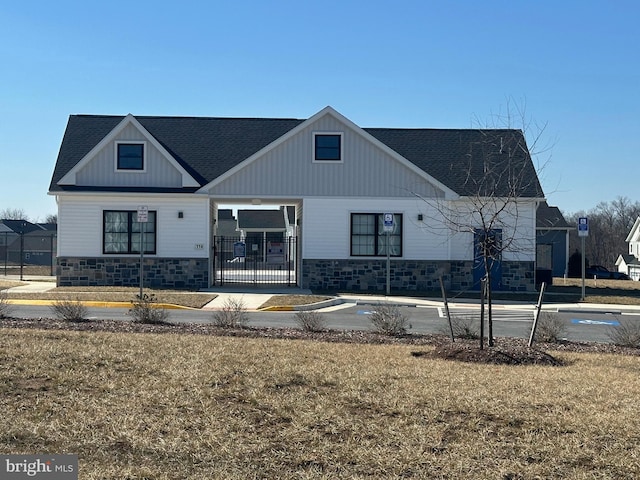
51 252
6 252
21 254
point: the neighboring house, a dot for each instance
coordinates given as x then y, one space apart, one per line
630 263
552 241
265 234
25 242
339 180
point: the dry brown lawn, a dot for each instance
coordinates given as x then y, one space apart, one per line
622 292
9 283
119 294
167 406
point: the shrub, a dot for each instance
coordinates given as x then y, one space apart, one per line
232 315
388 320
465 326
550 328
70 310
310 321
145 310
627 334
5 306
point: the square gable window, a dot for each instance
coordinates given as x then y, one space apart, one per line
130 156
327 147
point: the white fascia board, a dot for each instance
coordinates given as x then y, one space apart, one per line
70 177
121 194
634 229
518 200
449 194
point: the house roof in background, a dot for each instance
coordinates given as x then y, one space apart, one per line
227 225
261 220
225 214
21 226
208 147
550 218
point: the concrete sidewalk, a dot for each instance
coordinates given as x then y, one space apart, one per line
254 297
32 283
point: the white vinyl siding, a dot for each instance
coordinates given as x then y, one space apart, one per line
326 225
80 229
521 243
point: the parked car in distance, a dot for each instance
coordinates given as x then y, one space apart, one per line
598 271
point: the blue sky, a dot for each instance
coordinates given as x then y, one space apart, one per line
573 66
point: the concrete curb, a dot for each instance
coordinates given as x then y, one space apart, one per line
331 303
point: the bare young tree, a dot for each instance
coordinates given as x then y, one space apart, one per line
498 194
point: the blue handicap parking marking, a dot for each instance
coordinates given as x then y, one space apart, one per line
611 323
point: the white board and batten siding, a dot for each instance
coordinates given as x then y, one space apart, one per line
288 170
327 230
80 228
101 169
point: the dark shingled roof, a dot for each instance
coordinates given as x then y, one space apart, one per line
21 226
551 218
209 147
261 220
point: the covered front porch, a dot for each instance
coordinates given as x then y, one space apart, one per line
255 242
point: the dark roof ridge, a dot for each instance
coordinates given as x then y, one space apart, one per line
185 117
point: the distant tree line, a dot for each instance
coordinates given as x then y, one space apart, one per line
609 225
20 214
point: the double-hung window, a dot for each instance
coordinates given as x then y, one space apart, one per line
130 156
122 232
369 238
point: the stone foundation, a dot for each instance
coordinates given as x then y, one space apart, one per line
407 275
179 273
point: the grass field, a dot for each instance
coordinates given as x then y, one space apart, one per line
165 406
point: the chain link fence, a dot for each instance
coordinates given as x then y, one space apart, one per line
33 253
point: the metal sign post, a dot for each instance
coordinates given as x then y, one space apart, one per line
143 218
388 228
583 232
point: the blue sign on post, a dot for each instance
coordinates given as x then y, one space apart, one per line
583 227
388 222
239 250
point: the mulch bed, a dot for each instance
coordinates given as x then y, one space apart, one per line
506 351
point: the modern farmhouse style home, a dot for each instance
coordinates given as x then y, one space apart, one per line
354 199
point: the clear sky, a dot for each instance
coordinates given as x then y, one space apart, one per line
573 65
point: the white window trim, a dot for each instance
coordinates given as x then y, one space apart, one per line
313 148
130 142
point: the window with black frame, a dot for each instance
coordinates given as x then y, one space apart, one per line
328 147
130 156
122 232
368 236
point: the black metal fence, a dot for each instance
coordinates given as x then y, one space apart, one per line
33 251
265 259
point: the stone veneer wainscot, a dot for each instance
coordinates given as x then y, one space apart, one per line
407 275
182 273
